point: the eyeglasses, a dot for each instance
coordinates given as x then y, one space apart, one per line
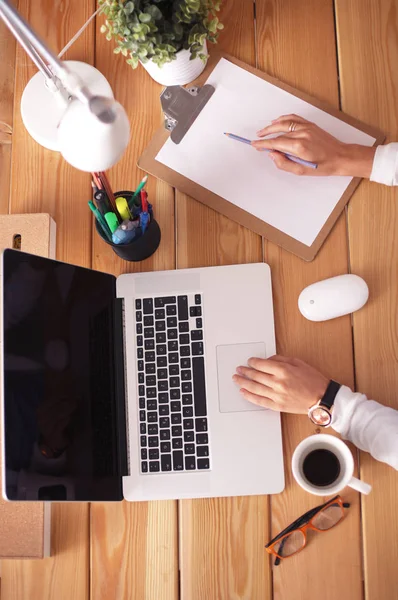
294 538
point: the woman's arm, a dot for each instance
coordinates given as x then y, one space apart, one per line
291 385
306 140
369 425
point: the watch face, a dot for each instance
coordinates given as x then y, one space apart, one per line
320 416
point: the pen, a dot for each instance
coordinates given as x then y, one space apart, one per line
123 208
100 220
296 159
144 201
101 200
112 221
126 232
144 221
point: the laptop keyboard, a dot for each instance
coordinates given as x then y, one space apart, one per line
171 384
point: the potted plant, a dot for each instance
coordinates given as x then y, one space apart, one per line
168 37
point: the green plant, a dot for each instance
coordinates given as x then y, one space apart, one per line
157 29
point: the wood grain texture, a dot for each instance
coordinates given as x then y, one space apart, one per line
7 73
41 181
296 43
222 539
134 549
369 90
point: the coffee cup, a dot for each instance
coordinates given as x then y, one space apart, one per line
323 465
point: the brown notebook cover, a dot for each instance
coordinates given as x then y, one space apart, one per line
25 526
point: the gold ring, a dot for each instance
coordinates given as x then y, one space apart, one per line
292 126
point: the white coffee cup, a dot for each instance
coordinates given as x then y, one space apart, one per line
344 456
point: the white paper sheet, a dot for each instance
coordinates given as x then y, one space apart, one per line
243 104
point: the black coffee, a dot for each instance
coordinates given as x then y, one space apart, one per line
321 467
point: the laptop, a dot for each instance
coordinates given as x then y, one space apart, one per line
122 387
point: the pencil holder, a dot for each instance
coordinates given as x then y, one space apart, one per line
141 248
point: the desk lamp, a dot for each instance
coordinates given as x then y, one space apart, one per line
69 105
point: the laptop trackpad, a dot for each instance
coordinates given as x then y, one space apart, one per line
228 358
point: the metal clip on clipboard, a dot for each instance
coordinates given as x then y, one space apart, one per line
181 107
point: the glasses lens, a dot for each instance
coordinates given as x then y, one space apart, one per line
290 544
328 517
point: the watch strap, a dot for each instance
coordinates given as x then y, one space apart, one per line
329 396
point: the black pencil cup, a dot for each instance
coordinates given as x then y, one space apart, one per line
139 249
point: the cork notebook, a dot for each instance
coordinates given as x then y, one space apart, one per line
25 527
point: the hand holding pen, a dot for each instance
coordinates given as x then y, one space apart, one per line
309 142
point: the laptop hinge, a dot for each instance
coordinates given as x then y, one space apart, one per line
120 387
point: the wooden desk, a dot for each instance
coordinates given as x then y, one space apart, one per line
214 549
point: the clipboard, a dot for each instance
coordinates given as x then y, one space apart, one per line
182 119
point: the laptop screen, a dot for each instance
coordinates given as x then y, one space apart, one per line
61 406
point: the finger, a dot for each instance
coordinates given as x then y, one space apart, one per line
291 117
252 386
266 365
284 143
282 126
255 375
283 359
259 400
285 164
285 119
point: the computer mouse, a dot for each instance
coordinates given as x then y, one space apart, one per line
334 297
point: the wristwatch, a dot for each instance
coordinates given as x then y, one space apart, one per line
321 412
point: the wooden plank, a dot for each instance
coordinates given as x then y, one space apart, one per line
296 42
134 546
134 550
7 73
41 181
369 84
221 539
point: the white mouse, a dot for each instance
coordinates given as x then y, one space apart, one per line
334 297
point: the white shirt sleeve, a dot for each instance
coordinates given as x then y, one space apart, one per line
367 424
385 165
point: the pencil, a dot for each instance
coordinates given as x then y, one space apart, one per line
107 187
296 159
96 180
141 185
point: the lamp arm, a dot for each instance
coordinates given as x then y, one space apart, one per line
36 48
26 45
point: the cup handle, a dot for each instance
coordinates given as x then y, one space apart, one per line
360 486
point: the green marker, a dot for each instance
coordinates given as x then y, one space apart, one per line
100 220
112 221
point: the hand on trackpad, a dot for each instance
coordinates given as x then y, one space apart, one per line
228 358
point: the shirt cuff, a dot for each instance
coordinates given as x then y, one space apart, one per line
385 165
342 408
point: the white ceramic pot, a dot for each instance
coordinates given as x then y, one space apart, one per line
178 72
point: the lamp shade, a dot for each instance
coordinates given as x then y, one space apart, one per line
91 144
43 105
